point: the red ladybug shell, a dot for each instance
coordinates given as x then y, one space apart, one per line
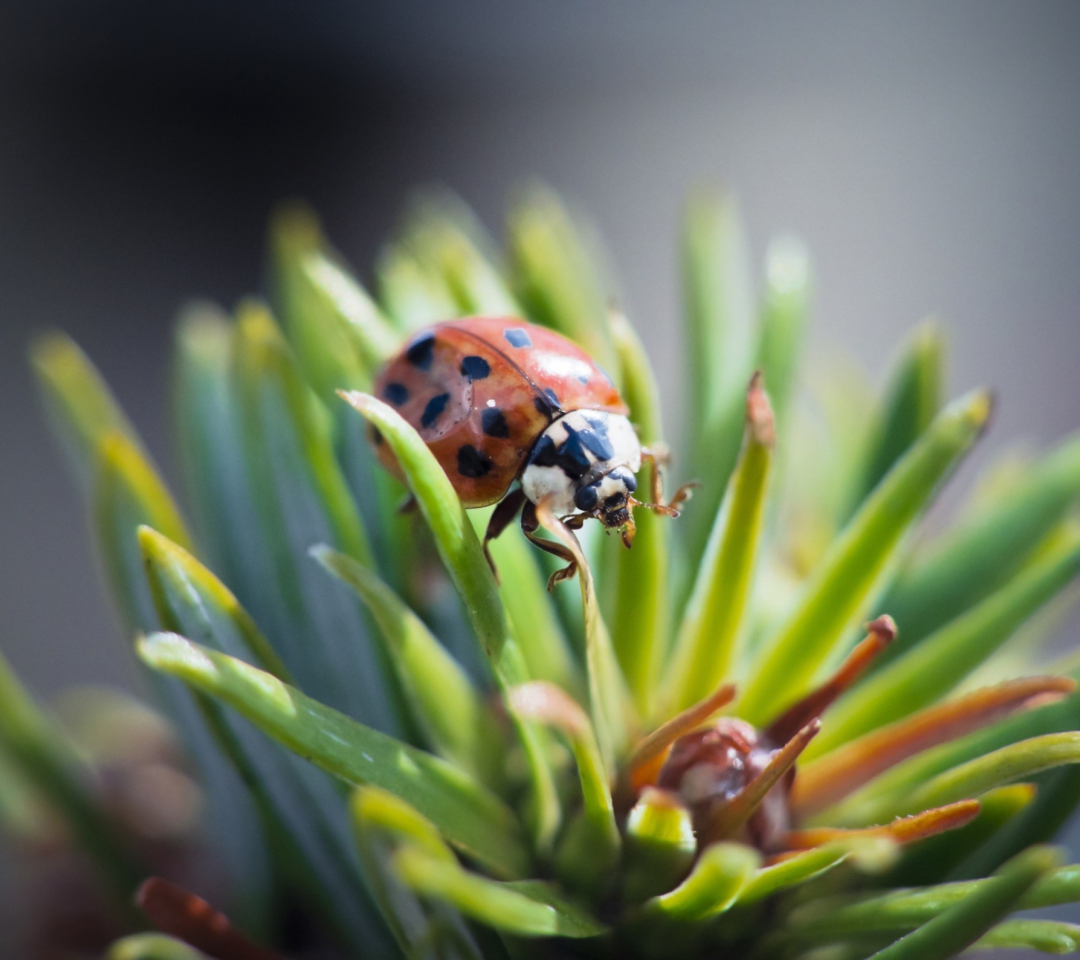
481 390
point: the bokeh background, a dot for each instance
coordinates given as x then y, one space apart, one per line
928 153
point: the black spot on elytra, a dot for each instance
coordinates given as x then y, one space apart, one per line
433 410
582 378
494 423
475 368
472 463
396 393
421 352
517 337
548 404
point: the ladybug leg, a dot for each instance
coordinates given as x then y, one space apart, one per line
576 521
529 525
501 517
658 457
684 493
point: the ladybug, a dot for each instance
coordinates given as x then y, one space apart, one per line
496 400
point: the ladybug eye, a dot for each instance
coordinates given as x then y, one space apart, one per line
586 498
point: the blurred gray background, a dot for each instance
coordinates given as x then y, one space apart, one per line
928 153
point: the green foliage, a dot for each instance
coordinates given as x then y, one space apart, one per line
707 643
962 925
80 408
40 753
785 308
449 709
720 874
556 273
639 599
152 946
911 401
719 311
472 818
941 662
431 762
973 562
849 578
302 804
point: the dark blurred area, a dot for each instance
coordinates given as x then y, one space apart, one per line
927 153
